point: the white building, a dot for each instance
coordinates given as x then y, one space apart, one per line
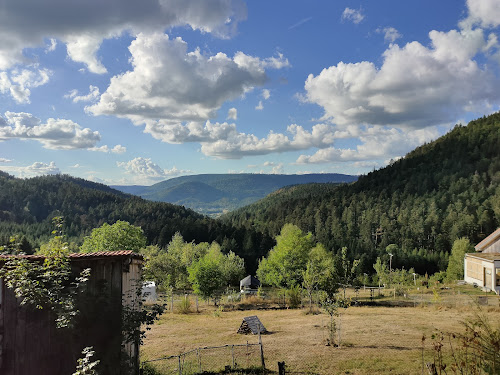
483 268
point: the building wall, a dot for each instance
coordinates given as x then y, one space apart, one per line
475 270
493 248
31 344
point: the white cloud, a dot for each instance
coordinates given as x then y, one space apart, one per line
56 134
486 13
4 160
266 94
52 46
236 145
390 34
76 166
20 81
145 170
226 142
36 169
277 168
169 83
260 106
86 24
415 87
91 96
118 149
83 48
232 114
377 143
352 15
301 22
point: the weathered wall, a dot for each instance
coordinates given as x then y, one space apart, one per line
32 345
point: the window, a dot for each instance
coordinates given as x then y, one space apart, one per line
498 276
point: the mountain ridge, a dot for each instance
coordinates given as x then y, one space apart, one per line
213 194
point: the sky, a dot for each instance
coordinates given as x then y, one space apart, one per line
135 92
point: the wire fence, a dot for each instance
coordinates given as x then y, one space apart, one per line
211 359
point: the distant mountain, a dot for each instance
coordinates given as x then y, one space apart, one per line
28 205
422 203
214 194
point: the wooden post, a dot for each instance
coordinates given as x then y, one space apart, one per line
281 368
232 356
180 367
261 350
172 302
197 304
199 359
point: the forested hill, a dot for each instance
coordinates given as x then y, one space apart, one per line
28 205
212 194
439 192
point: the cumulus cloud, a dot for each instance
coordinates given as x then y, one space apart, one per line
144 169
416 86
17 83
4 160
169 83
390 34
377 143
84 25
232 114
52 46
93 95
266 94
353 15
276 168
485 13
235 145
260 106
35 169
56 134
118 149
223 140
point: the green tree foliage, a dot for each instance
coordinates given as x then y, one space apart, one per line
320 273
27 207
346 269
48 284
214 271
119 236
441 191
169 267
382 272
285 265
455 270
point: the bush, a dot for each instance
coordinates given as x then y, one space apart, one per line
149 369
184 306
294 297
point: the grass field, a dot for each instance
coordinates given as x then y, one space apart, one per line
375 340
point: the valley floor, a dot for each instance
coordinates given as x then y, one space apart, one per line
375 340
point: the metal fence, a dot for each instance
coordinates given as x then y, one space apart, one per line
211 359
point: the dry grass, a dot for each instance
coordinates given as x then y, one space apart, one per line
376 340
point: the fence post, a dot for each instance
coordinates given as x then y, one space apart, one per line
232 355
261 350
247 354
199 359
172 303
180 367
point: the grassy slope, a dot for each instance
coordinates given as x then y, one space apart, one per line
376 340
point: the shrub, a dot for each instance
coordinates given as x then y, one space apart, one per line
184 306
149 369
294 297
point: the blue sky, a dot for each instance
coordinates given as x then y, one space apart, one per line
123 93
